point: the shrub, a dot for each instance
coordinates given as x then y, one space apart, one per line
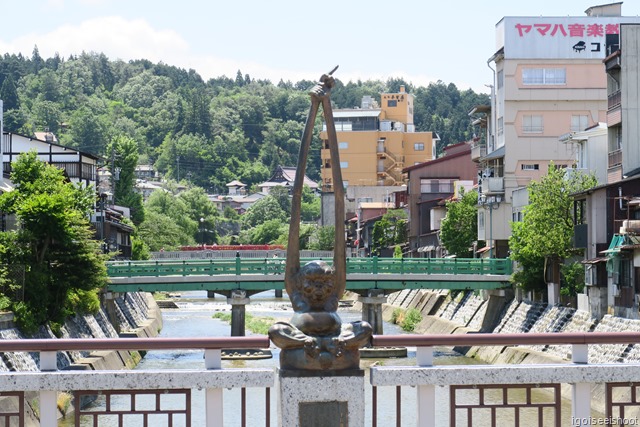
411 319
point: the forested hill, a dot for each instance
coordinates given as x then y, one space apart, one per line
207 132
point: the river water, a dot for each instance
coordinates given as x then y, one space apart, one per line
194 318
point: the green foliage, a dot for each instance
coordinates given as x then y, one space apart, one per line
390 230
547 227
65 266
408 320
257 325
459 227
139 249
206 133
572 279
160 231
396 315
397 252
269 232
323 239
411 319
264 209
310 206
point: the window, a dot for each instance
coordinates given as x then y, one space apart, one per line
580 211
480 219
435 186
500 79
343 145
500 125
533 167
544 76
392 103
344 165
579 123
532 124
418 146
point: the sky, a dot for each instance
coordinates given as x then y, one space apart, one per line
421 41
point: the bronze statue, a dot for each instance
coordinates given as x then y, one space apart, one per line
316 339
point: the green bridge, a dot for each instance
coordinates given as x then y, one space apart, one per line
253 275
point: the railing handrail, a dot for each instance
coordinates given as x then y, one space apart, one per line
374 265
77 344
489 339
262 341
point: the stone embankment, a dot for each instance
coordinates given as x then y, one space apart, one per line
137 315
469 312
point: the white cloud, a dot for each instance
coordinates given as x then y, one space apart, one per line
116 37
127 39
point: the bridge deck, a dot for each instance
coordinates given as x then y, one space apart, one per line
265 274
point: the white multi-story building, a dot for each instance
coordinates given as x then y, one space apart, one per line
549 80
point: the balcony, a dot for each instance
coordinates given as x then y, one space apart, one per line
615 158
614 100
493 185
478 151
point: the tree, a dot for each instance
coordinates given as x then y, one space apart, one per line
390 230
160 231
264 209
9 94
65 267
281 194
459 228
323 239
544 235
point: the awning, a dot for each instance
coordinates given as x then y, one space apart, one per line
595 260
495 154
427 248
483 250
6 185
614 247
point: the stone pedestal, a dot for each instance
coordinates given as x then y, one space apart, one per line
321 399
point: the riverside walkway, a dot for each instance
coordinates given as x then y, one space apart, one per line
501 395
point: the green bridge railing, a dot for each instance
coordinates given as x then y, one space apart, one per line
247 266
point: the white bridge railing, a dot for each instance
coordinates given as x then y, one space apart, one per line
493 384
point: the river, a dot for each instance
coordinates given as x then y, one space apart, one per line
194 318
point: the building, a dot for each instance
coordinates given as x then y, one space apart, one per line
284 176
78 166
430 184
376 142
549 80
590 148
609 227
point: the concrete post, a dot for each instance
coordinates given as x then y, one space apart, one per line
48 398
112 311
213 396
426 393
580 392
238 301
553 293
372 309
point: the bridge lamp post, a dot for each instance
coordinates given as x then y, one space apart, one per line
202 231
490 203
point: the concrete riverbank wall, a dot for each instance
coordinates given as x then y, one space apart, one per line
468 312
137 315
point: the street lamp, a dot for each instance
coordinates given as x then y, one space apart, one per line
491 203
202 231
